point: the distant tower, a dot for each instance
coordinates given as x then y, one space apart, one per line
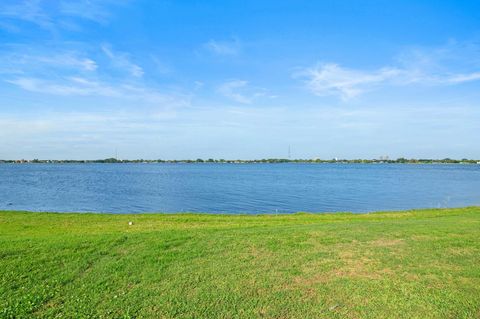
289 152
116 153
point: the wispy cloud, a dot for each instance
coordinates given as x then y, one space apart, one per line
231 90
434 68
70 60
161 66
77 86
66 87
74 73
94 10
231 47
53 14
28 62
332 79
460 78
240 91
27 10
33 61
122 61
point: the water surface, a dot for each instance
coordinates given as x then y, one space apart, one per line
236 188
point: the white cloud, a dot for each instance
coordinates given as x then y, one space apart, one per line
449 65
41 86
122 61
332 79
64 60
77 86
223 47
460 78
74 73
20 60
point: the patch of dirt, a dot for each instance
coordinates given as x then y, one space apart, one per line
386 242
460 251
423 237
351 266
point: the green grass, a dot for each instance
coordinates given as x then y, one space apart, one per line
414 264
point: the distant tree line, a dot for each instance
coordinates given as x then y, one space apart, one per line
256 161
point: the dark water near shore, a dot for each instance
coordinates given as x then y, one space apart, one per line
236 188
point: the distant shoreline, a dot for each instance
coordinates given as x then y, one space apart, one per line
259 161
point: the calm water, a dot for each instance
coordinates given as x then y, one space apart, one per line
238 188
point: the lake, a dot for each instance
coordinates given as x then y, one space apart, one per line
236 188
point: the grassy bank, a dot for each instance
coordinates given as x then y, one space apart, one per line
416 264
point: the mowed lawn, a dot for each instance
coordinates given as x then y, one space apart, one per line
414 264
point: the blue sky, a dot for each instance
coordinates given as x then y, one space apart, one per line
239 79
